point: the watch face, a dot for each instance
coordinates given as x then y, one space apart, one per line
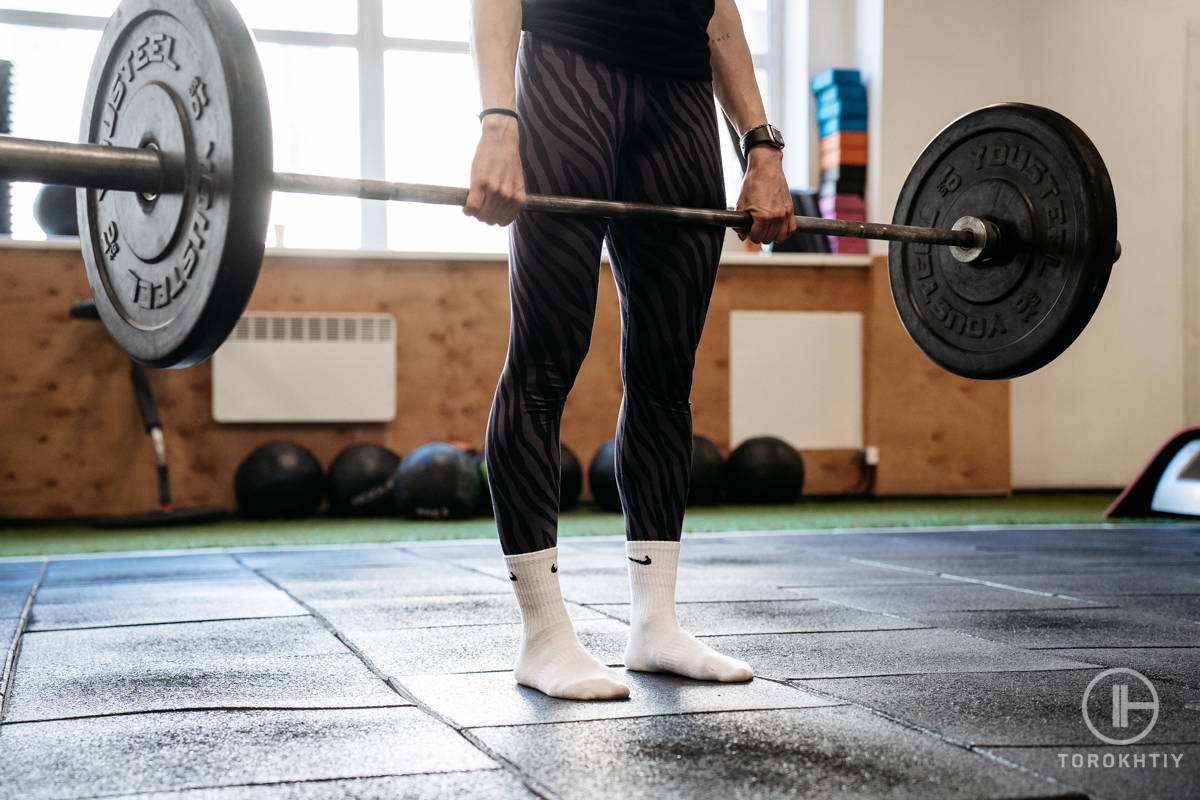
776 135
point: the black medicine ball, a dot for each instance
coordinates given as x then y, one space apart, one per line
708 473
54 210
360 481
437 481
279 480
602 477
570 485
764 470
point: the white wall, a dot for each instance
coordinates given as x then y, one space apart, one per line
1116 67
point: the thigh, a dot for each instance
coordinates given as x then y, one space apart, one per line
665 271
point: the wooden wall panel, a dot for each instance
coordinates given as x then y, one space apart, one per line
936 433
71 441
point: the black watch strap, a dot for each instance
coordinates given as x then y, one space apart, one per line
762 135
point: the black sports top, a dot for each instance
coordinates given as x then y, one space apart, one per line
665 37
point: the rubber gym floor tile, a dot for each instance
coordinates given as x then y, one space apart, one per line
492 783
1079 627
205 566
383 584
475 648
427 612
903 652
1088 585
319 559
1112 773
839 752
947 596
289 662
137 603
13 594
1185 607
777 616
1006 708
493 698
142 753
1179 665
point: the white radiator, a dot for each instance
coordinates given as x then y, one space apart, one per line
307 367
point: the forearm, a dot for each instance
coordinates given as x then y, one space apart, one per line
495 33
734 82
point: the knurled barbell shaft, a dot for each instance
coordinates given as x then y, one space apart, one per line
95 166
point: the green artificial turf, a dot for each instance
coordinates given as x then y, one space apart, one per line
1022 509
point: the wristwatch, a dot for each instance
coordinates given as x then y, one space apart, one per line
767 135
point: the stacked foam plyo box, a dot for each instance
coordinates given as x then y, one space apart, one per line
842 119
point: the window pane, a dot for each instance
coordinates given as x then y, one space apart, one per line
50 72
323 16
314 113
755 20
418 152
85 8
419 19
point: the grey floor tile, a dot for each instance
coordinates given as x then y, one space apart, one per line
1008 708
1083 627
475 648
13 594
903 652
322 559
491 783
427 612
1121 777
289 662
162 752
136 603
695 585
1087 585
947 596
22 570
1184 607
493 698
203 566
1179 665
386 584
775 616
841 752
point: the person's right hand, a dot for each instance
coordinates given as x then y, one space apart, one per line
497 192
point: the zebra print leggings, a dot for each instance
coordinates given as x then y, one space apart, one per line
594 129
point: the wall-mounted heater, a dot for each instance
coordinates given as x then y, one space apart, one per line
307 367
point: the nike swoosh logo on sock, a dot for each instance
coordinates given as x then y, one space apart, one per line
554 567
645 563
512 577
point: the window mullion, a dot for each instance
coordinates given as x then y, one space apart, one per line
372 117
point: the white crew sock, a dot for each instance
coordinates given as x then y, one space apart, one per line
656 642
551 659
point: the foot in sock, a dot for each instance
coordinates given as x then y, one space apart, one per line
551 659
656 642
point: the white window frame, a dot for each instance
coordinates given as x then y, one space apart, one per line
371 45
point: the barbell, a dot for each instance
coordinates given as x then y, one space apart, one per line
1002 242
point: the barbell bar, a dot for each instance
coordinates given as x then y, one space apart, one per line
148 172
1002 241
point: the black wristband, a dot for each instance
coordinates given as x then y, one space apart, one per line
508 112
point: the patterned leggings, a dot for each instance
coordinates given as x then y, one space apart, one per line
594 129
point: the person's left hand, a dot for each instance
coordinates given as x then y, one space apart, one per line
766 196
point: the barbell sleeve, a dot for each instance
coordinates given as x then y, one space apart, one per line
90 166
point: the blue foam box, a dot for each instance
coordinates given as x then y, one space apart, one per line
832 126
830 77
844 91
842 108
